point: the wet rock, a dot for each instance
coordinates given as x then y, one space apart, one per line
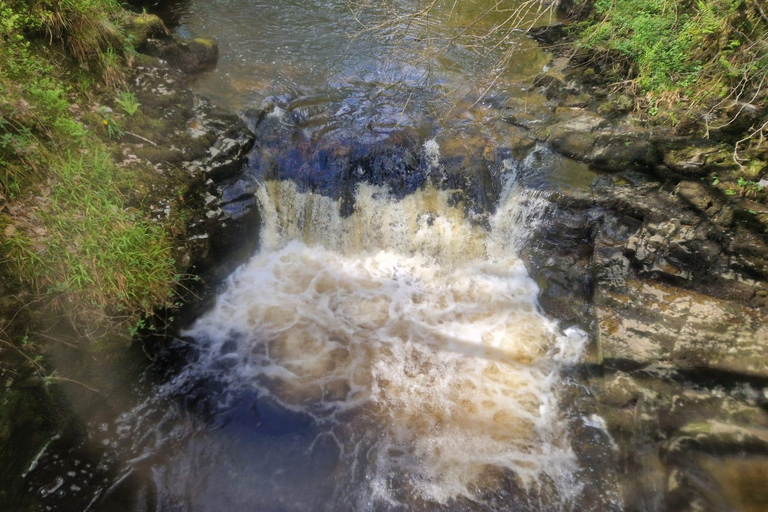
617 149
673 434
648 323
163 96
718 437
549 34
696 194
140 28
576 101
696 158
555 84
552 85
234 236
575 137
231 142
616 106
672 272
189 55
700 199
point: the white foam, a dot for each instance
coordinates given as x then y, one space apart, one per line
432 153
416 326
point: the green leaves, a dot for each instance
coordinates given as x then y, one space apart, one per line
704 49
127 101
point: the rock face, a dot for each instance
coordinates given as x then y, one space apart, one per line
657 272
667 273
650 323
666 267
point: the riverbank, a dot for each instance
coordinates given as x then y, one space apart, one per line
663 258
108 200
646 235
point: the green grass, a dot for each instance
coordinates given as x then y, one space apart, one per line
703 50
85 247
71 239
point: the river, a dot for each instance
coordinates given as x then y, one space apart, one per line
384 348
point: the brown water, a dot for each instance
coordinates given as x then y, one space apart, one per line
390 355
339 49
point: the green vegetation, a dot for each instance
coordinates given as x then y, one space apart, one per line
68 234
96 252
702 50
127 101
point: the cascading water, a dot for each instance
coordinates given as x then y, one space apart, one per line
383 351
406 335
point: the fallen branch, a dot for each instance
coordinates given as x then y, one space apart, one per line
142 138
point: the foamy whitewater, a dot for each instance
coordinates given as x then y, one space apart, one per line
412 330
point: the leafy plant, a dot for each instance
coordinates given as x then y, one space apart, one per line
127 101
137 327
705 50
749 185
112 126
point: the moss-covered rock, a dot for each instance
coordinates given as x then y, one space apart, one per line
697 157
140 28
617 105
189 55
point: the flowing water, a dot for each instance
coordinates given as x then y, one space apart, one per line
359 50
403 345
383 350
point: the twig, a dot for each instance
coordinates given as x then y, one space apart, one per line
759 131
761 11
142 138
73 381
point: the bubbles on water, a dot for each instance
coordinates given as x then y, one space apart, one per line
432 153
410 334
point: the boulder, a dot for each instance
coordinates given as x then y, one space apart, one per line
574 137
189 55
140 28
697 157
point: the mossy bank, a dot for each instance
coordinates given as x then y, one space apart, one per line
109 166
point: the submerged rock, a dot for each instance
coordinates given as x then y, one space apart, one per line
189 55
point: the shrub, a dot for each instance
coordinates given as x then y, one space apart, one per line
703 50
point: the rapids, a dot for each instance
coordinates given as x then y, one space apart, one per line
383 350
405 329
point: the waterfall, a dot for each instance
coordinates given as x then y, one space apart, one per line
409 334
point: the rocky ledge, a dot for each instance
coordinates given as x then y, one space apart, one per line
187 149
662 257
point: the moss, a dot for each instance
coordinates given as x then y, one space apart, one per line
139 28
205 42
618 105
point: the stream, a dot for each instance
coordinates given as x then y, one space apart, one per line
383 349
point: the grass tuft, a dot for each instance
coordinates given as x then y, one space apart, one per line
703 51
85 247
67 232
